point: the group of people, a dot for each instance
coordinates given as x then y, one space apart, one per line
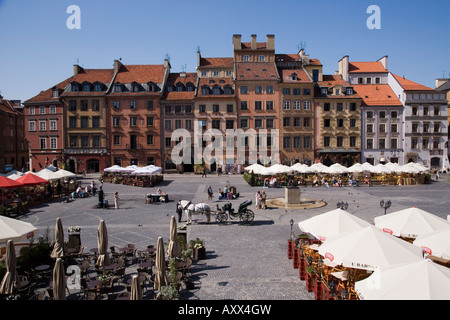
89 190
272 182
260 200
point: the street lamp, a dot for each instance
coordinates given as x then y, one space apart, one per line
342 205
291 222
385 205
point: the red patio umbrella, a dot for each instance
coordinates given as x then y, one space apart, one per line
30 179
7 183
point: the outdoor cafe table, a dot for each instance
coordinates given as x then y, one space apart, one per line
145 265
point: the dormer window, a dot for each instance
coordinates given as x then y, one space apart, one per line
324 90
216 90
98 87
349 91
205 90
55 93
169 88
294 76
118 88
74 87
86 87
179 87
136 88
190 87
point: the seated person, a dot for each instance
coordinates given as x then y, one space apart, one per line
220 194
159 191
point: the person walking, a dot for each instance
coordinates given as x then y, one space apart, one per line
210 194
179 210
116 200
204 172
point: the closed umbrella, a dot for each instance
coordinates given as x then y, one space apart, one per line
436 243
332 223
58 249
174 248
16 230
10 283
410 222
420 280
160 263
59 280
136 290
102 241
368 249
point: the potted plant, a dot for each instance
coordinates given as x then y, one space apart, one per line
167 293
198 248
74 230
310 273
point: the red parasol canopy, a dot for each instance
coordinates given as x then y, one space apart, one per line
7 183
30 179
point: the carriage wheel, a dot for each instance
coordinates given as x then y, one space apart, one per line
222 217
248 216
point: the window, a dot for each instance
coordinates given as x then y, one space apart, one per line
394 143
326 106
436 111
425 143
32 125
437 128
118 161
149 104
215 124
53 142
286 142
86 87
216 90
286 122
297 105
149 121
258 105
286 105
369 114
84 141
382 128
188 124
326 141
306 105
187 109
394 114
84 105
377 80
42 110
98 87
229 124
297 142
216 108
326 123
269 123
95 122
261 58
202 108
369 128
42 125
244 89
339 106
53 125
55 93
307 142
43 143
32 110
133 104
73 141
95 105
244 123
116 140
133 121
84 122
229 108
324 91
352 141
296 122
167 124
340 123
415 127
306 122
369 80
352 123
244 105
360 80
227 90
369 144
72 122
117 88
382 114
425 111
435 143
203 73
95 141
349 91
258 123
116 104
72 105
381 143
167 109
426 127
394 128
296 92
258 89
269 105
414 111
116 121
340 142
74 87
286 91
228 73
269 89
150 139
306 92
352 106
246 58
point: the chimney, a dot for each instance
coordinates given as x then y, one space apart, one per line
270 42
237 42
384 62
253 42
1 99
117 65
440 82
343 68
76 69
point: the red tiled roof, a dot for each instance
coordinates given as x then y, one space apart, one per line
377 95
281 57
331 80
93 75
366 67
259 45
47 95
216 62
411 85
7 107
256 71
315 62
141 73
302 77
175 78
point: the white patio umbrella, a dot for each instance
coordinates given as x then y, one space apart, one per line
130 168
355 168
277 168
369 249
13 173
47 174
300 167
318 167
410 222
16 230
380 168
114 168
337 168
332 223
366 166
61 173
148 170
256 168
420 280
436 243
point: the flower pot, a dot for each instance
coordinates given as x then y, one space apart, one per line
199 253
318 290
302 268
309 282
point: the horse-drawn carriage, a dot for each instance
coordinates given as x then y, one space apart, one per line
244 214
227 211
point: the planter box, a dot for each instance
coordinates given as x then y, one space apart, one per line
291 246
318 290
309 282
295 258
302 268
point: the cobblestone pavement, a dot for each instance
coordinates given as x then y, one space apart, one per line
245 262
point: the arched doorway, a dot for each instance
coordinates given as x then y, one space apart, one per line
93 165
435 163
71 165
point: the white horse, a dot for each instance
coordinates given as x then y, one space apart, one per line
191 208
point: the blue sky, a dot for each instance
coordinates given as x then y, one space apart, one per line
38 50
